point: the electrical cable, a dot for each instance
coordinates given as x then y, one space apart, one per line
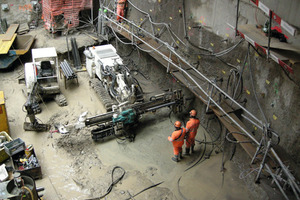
233 152
253 87
178 187
196 163
218 137
224 52
112 182
200 158
234 73
171 32
291 79
236 142
241 74
152 186
223 163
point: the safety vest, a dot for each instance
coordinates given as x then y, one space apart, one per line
192 125
178 135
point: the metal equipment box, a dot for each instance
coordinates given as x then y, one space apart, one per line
14 147
3 116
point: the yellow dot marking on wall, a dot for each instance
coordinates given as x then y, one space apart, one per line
238 60
274 117
141 19
177 41
256 54
190 28
227 35
171 18
248 92
159 1
212 44
158 29
179 11
223 72
255 128
150 10
267 82
199 57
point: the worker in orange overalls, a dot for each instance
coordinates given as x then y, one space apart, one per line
121 6
191 127
177 138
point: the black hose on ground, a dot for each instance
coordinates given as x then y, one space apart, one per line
218 137
152 186
233 152
200 158
112 182
196 163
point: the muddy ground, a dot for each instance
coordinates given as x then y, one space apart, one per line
76 167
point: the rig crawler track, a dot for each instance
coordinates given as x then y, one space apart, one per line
102 94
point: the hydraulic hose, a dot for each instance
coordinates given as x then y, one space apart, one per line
112 182
102 71
30 192
112 89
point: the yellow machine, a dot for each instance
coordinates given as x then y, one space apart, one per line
3 115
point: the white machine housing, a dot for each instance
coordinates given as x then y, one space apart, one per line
33 70
102 61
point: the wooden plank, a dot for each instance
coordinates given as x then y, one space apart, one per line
10 32
5 45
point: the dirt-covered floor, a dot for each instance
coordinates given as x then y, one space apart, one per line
76 167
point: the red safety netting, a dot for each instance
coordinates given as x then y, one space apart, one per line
56 12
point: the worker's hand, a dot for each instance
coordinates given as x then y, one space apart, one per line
170 139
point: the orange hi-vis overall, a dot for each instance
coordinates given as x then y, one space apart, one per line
192 126
120 9
177 138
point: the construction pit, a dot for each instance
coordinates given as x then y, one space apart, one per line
138 164
76 167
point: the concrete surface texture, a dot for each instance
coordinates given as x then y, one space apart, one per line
18 12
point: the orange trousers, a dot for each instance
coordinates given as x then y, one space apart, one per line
190 141
177 147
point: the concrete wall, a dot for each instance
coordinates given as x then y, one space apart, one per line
277 92
20 11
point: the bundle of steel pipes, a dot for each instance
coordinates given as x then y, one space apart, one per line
67 70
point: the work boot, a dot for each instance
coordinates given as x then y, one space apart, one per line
193 151
175 158
180 155
187 151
